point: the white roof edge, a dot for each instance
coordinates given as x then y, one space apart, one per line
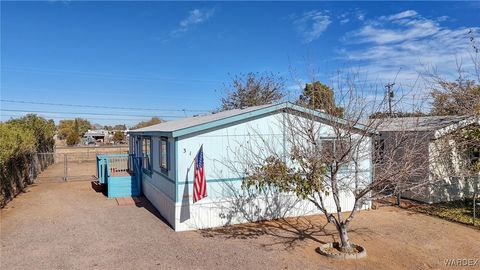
202 117
450 128
238 115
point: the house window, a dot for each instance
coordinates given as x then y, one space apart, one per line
333 150
146 154
379 148
164 154
474 155
328 150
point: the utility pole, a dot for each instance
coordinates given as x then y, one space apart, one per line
389 87
390 97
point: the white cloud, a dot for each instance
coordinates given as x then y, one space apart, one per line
351 15
312 24
408 44
403 30
360 15
401 15
442 18
196 16
344 21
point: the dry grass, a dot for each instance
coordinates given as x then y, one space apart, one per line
457 211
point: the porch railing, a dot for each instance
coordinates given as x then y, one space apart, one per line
111 164
118 164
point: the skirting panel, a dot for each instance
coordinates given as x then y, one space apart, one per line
162 203
207 213
210 214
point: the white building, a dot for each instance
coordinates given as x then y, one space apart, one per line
439 153
168 150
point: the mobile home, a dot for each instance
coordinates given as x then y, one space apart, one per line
167 152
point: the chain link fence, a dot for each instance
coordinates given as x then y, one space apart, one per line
76 165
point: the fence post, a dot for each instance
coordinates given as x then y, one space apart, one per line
65 168
474 208
474 201
31 169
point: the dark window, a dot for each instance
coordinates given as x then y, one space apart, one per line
333 150
328 150
146 154
379 148
164 154
474 155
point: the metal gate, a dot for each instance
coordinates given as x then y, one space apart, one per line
70 163
78 166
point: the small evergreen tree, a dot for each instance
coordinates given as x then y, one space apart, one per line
73 138
78 125
118 136
320 97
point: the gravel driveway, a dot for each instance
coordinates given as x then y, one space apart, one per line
70 226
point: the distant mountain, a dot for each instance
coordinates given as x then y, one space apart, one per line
97 126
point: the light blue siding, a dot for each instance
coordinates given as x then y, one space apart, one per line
161 180
224 142
162 183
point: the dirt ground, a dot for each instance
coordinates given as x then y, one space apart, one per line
71 226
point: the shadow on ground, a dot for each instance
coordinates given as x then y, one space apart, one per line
287 233
145 203
141 202
99 188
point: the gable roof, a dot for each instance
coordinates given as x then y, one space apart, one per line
440 125
190 125
423 123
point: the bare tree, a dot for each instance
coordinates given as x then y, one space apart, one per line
327 161
253 89
457 151
461 97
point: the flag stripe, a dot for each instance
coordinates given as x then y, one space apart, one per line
200 183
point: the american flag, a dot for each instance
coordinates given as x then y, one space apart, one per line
199 184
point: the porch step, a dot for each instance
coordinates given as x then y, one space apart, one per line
128 201
122 186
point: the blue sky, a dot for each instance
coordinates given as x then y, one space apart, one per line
174 56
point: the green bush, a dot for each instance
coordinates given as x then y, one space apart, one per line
20 139
42 130
15 140
78 125
118 136
73 138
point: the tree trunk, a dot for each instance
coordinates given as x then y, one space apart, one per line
345 245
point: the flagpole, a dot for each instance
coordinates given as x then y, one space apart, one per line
193 160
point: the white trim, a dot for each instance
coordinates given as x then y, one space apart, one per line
450 128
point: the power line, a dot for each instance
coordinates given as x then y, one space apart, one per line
68 117
104 75
98 106
118 93
86 113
